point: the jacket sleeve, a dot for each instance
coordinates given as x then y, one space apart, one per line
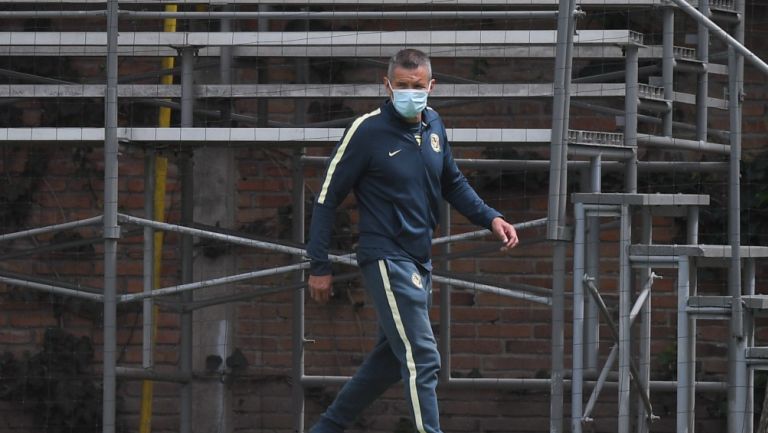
348 161
457 191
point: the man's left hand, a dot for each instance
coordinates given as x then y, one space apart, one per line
505 232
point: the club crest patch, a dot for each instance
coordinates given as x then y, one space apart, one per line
434 140
416 280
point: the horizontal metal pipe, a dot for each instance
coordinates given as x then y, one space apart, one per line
602 207
680 144
134 373
49 288
647 119
173 290
484 232
722 313
52 14
59 246
255 292
331 15
520 383
52 228
608 76
492 289
658 261
209 235
604 151
543 165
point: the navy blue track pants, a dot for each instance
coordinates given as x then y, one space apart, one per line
406 349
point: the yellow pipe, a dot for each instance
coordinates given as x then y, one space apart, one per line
161 174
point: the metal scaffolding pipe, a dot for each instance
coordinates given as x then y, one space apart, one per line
739 386
187 243
110 223
484 232
702 84
49 288
577 376
723 35
647 119
681 144
599 385
55 14
236 240
592 267
52 228
518 383
332 15
642 310
133 373
148 307
557 154
491 289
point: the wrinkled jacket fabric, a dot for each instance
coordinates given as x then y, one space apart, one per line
398 184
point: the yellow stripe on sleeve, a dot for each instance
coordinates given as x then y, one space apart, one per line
340 153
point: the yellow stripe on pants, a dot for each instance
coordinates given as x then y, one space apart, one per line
410 363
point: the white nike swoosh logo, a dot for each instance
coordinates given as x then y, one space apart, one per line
395 152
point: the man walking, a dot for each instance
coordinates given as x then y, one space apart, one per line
399 164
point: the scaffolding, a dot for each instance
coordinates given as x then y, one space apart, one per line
587 151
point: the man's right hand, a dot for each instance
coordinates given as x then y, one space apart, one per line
320 287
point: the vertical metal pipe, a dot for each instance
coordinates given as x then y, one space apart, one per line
737 371
738 381
630 117
445 302
592 264
644 367
692 226
684 416
692 238
558 339
577 381
111 229
225 53
187 86
225 67
702 86
300 118
749 335
566 112
625 306
557 139
262 105
668 64
187 215
298 198
556 206
147 359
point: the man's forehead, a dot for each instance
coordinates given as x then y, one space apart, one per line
414 73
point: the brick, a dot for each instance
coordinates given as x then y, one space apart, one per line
33 320
15 336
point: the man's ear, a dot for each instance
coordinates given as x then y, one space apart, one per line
432 84
387 89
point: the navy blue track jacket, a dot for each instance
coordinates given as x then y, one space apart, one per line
398 183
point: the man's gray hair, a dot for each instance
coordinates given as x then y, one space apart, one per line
410 59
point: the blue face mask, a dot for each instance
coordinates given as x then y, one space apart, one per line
409 102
